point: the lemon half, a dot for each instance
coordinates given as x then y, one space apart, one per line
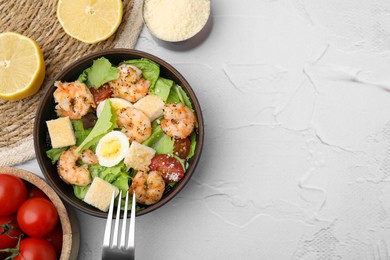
90 21
22 67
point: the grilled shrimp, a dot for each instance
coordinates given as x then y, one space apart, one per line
70 172
130 85
179 120
148 187
135 124
73 99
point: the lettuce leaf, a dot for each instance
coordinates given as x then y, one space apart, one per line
193 145
105 124
79 131
150 69
55 153
182 161
80 191
157 134
178 95
159 141
162 88
122 182
165 145
117 175
99 73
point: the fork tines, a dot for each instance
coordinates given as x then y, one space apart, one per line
111 248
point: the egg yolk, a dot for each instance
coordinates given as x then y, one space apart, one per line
110 148
117 106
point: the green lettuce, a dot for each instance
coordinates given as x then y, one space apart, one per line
80 191
99 73
122 183
193 145
117 175
182 161
178 95
162 88
55 153
79 132
159 141
150 69
157 134
165 145
105 124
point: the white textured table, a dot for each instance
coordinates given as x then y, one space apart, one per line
296 163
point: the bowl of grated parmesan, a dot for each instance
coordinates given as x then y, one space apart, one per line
177 21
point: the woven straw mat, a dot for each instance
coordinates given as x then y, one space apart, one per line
37 20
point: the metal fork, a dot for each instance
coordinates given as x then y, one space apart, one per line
123 250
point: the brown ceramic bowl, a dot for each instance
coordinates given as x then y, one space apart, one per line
69 223
46 112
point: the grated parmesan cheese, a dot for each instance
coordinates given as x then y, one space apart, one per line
176 20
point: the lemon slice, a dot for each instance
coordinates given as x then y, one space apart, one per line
22 68
90 21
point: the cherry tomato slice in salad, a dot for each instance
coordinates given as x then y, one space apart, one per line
34 248
37 217
9 232
182 147
13 193
100 94
170 167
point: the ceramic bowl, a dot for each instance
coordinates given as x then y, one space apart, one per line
46 112
191 41
69 222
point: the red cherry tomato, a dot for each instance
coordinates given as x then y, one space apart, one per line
100 94
12 194
9 232
182 147
34 248
35 192
37 217
170 168
55 238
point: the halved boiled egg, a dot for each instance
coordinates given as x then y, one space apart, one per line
112 148
116 103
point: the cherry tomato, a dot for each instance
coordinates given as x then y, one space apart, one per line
102 93
34 248
170 167
12 194
37 217
55 238
9 232
182 147
35 192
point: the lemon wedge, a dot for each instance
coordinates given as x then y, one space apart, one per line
90 21
22 68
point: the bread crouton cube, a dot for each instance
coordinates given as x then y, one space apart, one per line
61 132
139 156
151 105
99 194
